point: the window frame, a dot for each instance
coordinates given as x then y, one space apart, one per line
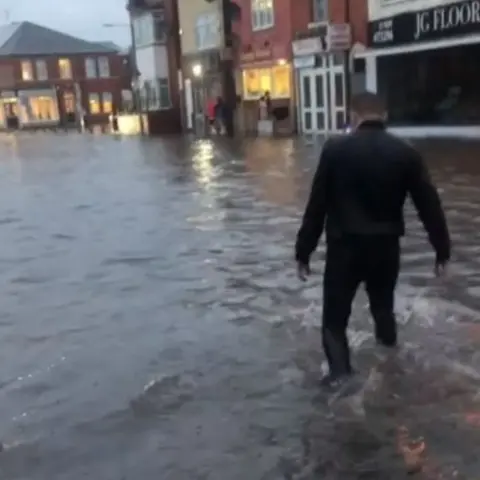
92 62
102 62
92 98
43 69
260 10
207 26
61 70
30 70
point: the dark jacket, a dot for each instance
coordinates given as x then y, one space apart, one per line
360 187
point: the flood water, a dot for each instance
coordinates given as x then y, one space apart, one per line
152 326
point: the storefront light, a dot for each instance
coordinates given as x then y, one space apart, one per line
197 70
282 61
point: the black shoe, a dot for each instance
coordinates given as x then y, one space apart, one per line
333 380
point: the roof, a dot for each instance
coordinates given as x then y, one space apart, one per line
112 46
27 39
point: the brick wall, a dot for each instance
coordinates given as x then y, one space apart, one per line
358 17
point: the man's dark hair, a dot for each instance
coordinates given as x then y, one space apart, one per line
368 102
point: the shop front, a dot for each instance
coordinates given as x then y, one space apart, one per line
321 88
266 73
38 108
424 64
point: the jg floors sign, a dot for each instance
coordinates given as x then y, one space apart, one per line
455 19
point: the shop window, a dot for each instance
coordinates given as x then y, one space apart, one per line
90 67
27 70
262 14
65 68
281 82
41 70
256 82
94 103
107 102
39 109
103 67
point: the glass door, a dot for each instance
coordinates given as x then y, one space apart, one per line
319 80
337 93
306 101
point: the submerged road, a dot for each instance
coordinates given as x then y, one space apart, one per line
152 327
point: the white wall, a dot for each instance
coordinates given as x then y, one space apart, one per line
387 8
152 62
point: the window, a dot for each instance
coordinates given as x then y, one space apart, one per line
164 93
69 102
276 80
206 31
41 68
94 103
103 67
65 68
107 102
42 108
90 68
27 70
143 29
159 26
320 10
262 14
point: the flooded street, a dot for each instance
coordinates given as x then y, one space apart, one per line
152 325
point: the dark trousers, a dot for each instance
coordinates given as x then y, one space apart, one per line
351 261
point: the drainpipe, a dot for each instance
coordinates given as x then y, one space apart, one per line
228 69
348 80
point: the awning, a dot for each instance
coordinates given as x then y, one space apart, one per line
419 47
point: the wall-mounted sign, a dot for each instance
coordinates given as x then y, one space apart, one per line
450 20
339 36
306 61
307 46
256 55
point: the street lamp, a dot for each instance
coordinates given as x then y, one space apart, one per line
197 70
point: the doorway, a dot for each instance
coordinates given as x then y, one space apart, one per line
322 96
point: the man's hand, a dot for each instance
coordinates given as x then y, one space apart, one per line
441 268
303 271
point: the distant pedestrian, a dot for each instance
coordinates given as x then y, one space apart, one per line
359 191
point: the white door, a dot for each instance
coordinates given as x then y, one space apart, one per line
189 103
313 97
337 100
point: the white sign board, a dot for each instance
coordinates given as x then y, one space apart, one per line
339 37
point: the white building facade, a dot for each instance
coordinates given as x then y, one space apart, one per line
421 56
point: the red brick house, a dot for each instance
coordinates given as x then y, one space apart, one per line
264 57
48 78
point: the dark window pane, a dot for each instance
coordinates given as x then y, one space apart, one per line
320 121
340 119
307 121
319 79
307 96
339 90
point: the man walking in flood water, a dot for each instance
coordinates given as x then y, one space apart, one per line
358 191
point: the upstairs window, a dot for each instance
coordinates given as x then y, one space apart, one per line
262 14
320 10
65 68
90 67
27 70
206 31
41 70
103 67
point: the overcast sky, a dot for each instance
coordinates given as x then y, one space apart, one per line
81 18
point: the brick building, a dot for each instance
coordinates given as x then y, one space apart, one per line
264 57
48 78
157 56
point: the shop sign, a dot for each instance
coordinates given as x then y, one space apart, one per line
307 61
339 37
450 20
256 55
307 46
